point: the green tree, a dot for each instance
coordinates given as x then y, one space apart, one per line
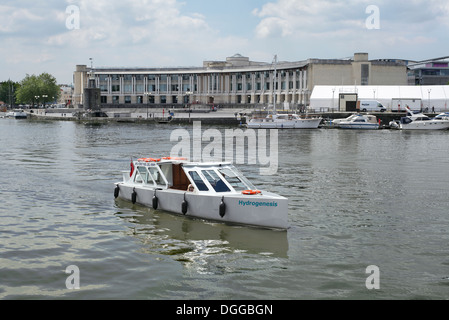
8 91
38 89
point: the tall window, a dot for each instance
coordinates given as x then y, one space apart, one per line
128 88
365 75
139 88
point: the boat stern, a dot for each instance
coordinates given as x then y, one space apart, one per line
269 211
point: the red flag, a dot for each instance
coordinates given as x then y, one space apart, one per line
132 168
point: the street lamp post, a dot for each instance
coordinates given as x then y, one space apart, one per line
333 96
189 94
45 96
148 94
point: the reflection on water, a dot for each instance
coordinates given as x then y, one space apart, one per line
200 244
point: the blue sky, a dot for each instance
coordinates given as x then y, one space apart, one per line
35 38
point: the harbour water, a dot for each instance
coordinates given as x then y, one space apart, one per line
357 199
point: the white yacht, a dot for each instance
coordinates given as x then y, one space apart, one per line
443 116
212 191
284 121
416 120
17 114
336 122
360 121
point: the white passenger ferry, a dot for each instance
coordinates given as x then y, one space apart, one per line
212 191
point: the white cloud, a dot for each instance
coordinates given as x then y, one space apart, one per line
332 27
121 33
290 17
116 23
157 33
13 18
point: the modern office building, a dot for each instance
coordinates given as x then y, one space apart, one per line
429 72
235 81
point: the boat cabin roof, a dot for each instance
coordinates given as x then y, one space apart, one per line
180 174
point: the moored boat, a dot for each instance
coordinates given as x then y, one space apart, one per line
360 121
443 116
212 191
284 121
336 122
17 114
416 120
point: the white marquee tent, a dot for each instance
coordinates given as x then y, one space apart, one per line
325 98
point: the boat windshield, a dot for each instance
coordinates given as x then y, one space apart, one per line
142 175
218 178
236 179
405 120
156 175
215 181
149 175
198 181
442 116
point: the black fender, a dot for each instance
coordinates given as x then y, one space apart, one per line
134 196
222 208
184 206
155 201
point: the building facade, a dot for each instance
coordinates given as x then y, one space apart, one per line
66 95
235 81
430 72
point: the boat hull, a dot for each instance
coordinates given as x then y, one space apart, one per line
267 211
425 125
294 124
17 114
363 126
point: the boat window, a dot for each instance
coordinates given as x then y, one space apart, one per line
405 120
236 180
156 176
215 181
142 175
201 186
